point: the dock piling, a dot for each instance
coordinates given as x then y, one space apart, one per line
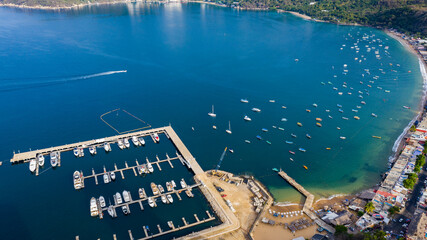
96 178
185 222
130 234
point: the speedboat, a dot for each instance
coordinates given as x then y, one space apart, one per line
106 178
342 137
363 102
268 142
308 110
126 142
107 147
314 105
151 202
141 140
102 201
284 107
212 114
183 184
299 124
318 119
247 141
318 124
154 189
53 159
126 196
161 189
170 198
246 118
256 109
356 117
231 150
354 110
120 144
340 110
92 150
135 141
338 105
125 209
119 198
40 159
264 130
281 129
33 165
293 135
76 152
93 207
259 137
164 200
302 149
156 137
112 176
244 100
293 153
308 136
289 142
374 115
141 192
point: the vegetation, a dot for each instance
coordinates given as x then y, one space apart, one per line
419 163
369 207
360 213
375 235
413 128
393 210
410 181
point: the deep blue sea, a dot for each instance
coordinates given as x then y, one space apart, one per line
60 71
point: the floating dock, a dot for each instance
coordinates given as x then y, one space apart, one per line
308 202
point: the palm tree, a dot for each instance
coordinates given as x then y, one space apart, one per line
369 208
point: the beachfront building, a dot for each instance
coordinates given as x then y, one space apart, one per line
417 228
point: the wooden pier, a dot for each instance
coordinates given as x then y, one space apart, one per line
27 156
127 167
308 202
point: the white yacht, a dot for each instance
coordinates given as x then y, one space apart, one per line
102 201
246 118
33 165
111 211
93 207
107 147
150 167
92 150
53 159
170 198
120 144
40 160
135 141
125 209
126 196
76 152
112 176
141 192
126 142
212 114
77 179
119 198
183 184
164 200
142 141
156 137
151 202
106 178
173 183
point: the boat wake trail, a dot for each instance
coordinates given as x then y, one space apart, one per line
18 84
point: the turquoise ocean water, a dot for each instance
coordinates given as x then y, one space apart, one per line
57 78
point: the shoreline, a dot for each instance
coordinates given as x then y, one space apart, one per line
422 65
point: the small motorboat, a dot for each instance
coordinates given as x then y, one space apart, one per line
328 148
363 102
299 124
40 159
318 119
356 117
246 118
314 105
102 201
264 130
150 167
119 199
92 150
281 129
330 116
156 137
406 107
244 100
135 141
164 200
247 141
183 183
259 137
284 120
305 167
308 110
126 142
302 149
161 189
340 110
111 211
378 137
374 115
126 196
345 118
54 159
308 136
229 128
293 153
125 209
256 109
354 110
272 101
231 150
173 183
338 105
291 159
170 198
293 135
289 142
268 142
107 147
318 124
120 144
141 141
338 128
343 137
275 169
112 176
142 193
33 165
151 202
284 107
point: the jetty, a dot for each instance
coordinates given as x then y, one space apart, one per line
309 199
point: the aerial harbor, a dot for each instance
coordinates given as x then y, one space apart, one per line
213 120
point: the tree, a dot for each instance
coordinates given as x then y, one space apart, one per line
369 207
340 229
393 210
